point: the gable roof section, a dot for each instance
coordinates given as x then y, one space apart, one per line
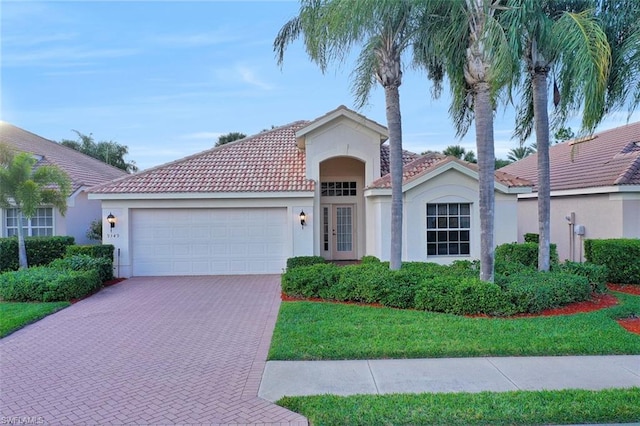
84 171
433 162
267 162
609 158
343 111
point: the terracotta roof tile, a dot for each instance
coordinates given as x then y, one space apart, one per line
611 157
82 169
432 161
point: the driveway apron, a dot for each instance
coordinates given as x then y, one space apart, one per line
153 350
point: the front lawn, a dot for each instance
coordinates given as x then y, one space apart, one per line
317 330
505 408
14 316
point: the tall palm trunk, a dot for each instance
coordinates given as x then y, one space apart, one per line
22 248
486 163
392 98
541 117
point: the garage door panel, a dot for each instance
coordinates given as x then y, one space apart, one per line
209 241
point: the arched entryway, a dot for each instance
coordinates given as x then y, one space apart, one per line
342 207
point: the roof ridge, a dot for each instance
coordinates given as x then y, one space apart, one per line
633 168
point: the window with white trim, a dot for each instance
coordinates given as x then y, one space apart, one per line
448 229
40 225
338 189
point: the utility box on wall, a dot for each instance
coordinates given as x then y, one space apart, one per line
578 229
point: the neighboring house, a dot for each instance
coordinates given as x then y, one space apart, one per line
595 190
238 208
83 171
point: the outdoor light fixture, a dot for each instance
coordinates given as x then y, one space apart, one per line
303 218
112 220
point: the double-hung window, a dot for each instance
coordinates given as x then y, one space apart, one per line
448 229
40 225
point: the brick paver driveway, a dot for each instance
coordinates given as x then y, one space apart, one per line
171 350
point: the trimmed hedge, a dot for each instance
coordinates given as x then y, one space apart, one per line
44 284
620 256
453 289
537 291
523 253
296 262
40 251
531 237
83 262
596 274
94 250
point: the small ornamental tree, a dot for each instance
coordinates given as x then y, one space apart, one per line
26 187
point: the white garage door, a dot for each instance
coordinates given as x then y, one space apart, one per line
208 241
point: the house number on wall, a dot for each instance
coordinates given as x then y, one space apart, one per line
113 235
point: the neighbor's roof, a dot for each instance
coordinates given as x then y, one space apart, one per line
608 158
267 162
84 171
434 161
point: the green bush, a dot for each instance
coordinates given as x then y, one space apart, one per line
309 281
83 262
399 288
596 274
523 253
620 256
533 292
40 251
95 250
531 238
358 283
369 259
296 262
462 296
44 284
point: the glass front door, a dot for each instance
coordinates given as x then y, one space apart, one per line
338 231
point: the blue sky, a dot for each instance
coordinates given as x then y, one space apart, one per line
166 78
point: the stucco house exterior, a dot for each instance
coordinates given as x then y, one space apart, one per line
316 187
595 190
83 171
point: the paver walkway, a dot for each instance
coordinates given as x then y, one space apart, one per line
170 350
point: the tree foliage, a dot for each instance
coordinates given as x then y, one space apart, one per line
108 152
230 137
26 187
461 153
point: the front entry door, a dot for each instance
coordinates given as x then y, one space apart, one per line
339 229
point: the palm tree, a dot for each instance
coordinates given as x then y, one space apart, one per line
384 29
475 52
562 37
26 188
516 154
461 153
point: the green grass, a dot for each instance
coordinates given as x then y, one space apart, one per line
313 331
14 316
505 408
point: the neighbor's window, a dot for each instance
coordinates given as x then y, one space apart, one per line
40 225
448 229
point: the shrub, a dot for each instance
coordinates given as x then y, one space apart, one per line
40 251
95 250
83 262
596 274
296 262
309 281
531 238
358 283
533 292
619 255
369 259
44 284
399 288
462 296
524 253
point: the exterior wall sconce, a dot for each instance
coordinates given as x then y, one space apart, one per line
303 218
112 220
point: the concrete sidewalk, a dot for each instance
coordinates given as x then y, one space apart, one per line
499 374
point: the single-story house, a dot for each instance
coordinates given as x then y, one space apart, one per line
83 171
595 190
316 187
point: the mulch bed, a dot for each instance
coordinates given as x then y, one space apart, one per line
631 324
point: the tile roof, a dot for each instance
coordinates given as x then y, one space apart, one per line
611 157
432 161
82 169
